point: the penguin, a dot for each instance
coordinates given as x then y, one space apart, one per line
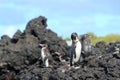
45 55
86 44
75 51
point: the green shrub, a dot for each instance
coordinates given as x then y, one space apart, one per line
108 38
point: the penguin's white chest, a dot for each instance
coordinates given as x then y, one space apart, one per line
43 54
77 51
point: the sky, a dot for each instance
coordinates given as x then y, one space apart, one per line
101 17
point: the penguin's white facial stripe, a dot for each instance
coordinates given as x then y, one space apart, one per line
43 45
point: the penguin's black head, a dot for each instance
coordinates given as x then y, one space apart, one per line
74 36
86 38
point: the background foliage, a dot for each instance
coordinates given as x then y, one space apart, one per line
108 38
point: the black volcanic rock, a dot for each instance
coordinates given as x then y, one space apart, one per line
20 56
22 49
36 26
16 36
5 40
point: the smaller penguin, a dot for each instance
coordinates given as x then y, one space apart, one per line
75 51
86 44
45 55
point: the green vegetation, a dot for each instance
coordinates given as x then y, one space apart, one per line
108 38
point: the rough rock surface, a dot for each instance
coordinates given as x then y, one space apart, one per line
20 57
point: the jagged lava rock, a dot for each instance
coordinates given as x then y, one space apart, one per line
22 49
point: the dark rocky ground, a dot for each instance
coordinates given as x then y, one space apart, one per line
20 57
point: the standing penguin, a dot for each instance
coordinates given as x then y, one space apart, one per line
45 55
75 51
86 44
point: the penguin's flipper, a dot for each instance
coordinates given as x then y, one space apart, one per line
71 60
71 57
74 53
